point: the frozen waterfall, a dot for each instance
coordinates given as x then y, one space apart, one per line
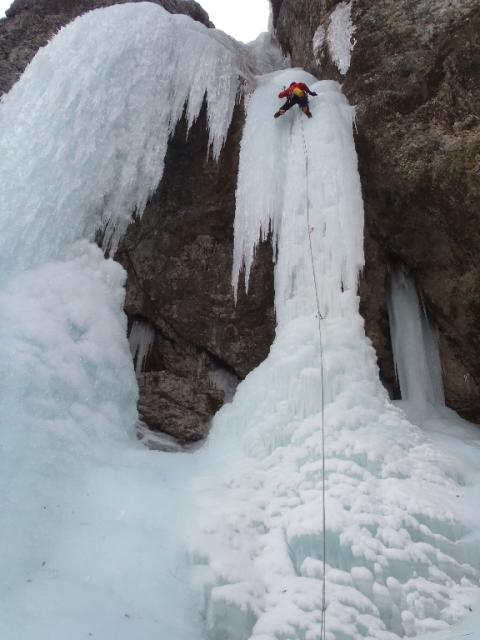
399 562
102 538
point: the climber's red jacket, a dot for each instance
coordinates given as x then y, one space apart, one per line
297 88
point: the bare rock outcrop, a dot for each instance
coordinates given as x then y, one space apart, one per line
179 260
415 78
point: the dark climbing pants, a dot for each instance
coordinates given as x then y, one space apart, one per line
293 100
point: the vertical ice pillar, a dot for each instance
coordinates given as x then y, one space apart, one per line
298 178
415 347
141 340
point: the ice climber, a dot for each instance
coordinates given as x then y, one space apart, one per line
296 93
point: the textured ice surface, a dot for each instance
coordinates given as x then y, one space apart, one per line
86 510
399 557
462 441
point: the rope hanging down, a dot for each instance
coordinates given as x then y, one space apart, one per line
322 375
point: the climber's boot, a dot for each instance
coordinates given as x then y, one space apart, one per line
279 113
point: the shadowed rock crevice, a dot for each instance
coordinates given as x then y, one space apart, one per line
179 261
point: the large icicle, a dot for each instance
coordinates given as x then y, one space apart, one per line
415 348
397 555
86 128
141 338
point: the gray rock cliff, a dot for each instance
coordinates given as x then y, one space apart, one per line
179 261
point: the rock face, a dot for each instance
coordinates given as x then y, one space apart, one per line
31 23
415 78
179 260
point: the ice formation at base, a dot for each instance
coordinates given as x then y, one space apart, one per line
399 561
84 507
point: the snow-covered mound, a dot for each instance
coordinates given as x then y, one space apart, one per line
89 522
398 559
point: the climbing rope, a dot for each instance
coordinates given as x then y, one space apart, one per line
322 375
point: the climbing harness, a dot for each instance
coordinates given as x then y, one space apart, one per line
322 374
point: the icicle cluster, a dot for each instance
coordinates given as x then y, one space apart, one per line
87 126
338 35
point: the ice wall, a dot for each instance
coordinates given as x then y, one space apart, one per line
398 558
